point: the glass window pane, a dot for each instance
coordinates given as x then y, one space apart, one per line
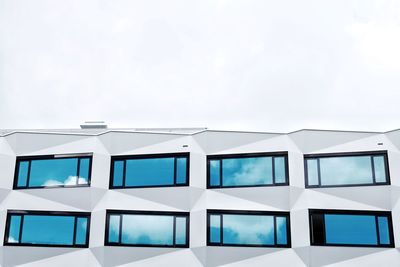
180 231
215 178
312 171
118 174
383 230
23 173
248 229
84 171
113 229
346 170
247 171
52 230
281 232
81 228
379 165
147 229
15 223
350 229
280 170
53 172
148 172
181 170
215 228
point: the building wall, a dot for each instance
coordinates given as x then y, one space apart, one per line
197 199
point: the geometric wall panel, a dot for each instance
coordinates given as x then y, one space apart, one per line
196 198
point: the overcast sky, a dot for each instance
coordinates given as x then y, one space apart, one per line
239 65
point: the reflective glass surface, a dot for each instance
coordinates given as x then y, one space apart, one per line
346 170
215 228
248 230
247 171
147 172
312 171
280 170
350 229
118 176
180 232
43 229
147 230
181 170
383 230
52 230
379 167
53 172
281 232
13 235
23 173
113 228
144 172
81 230
215 178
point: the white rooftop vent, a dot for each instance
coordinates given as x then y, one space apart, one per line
94 125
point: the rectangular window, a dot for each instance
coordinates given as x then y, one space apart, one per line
349 169
351 228
147 229
248 228
150 170
52 171
242 170
50 228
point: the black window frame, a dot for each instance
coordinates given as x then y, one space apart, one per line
78 156
377 214
21 213
348 154
175 214
150 156
220 157
285 214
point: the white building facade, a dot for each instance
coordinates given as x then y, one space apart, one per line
304 195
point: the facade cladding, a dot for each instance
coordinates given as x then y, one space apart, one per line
197 197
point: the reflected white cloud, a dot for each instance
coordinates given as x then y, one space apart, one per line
247 171
346 170
12 240
145 229
71 180
248 229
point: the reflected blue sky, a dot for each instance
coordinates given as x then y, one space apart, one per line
350 229
153 171
54 172
47 229
55 230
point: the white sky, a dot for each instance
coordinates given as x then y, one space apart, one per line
238 65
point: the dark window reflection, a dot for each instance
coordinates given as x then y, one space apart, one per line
363 228
42 229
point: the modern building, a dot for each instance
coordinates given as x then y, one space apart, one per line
198 197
